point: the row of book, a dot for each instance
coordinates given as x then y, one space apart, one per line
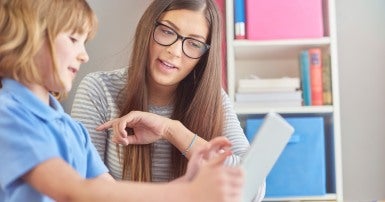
316 83
313 88
278 19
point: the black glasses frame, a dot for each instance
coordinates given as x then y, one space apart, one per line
180 37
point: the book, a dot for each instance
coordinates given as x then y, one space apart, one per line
239 19
270 104
222 8
316 76
326 80
305 77
285 82
265 90
268 96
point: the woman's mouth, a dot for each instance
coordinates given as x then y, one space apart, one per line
168 65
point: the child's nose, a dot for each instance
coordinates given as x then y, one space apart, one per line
83 57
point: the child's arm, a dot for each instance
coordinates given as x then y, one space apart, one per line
213 182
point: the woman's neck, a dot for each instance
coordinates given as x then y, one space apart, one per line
161 95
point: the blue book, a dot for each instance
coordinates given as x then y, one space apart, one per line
239 19
305 77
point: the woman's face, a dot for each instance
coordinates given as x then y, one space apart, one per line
169 65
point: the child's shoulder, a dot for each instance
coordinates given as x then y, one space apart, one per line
12 100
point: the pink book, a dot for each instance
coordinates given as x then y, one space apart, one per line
283 19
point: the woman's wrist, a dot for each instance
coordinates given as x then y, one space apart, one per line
170 130
178 135
184 153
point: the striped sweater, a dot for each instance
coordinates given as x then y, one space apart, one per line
95 103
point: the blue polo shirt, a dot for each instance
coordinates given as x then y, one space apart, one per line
32 132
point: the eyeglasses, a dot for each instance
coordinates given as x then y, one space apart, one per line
166 36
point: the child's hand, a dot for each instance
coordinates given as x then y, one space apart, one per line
218 148
210 176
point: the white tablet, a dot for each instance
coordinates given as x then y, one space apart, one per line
268 143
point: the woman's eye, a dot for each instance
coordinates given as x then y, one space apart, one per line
168 32
195 44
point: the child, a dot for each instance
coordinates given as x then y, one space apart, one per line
46 155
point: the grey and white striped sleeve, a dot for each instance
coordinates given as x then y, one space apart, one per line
234 132
90 108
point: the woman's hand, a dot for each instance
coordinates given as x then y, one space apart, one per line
145 128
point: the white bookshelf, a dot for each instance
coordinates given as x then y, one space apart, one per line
245 57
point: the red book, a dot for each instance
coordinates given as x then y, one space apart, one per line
222 8
316 76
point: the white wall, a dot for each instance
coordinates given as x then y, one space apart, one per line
361 43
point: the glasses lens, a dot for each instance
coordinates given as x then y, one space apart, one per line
164 35
194 48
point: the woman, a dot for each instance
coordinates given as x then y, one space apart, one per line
174 71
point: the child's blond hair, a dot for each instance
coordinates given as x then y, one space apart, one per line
26 24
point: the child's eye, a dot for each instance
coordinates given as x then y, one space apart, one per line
74 40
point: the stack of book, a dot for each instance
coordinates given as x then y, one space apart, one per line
272 92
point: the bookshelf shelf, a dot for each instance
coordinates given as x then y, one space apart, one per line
328 197
288 42
250 109
245 49
280 58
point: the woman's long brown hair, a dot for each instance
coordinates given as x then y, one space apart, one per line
198 101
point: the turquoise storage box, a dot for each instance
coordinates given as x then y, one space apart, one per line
300 170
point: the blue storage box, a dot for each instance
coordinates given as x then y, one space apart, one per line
300 170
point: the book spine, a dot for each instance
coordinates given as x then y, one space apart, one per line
239 19
305 77
326 80
222 8
316 76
